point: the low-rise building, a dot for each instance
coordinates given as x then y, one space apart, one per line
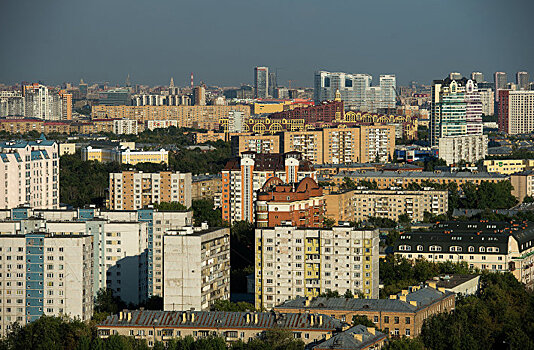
124 155
523 184
292 262
459 284
232 326
358 337
196 268
362 204
388 179
508 166
132 190
45 274
490 246
298 204
400 315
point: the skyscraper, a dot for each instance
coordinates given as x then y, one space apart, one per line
199 96
501 80
478 77
522 80
388 84
272 84
261 82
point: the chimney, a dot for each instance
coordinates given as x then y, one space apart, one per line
393 296
184 317
129 316
402 297
441 289
371 330
256 318
358 337
432 285
311 319
320 320
404 292
248 318
192 317
413 302
120 316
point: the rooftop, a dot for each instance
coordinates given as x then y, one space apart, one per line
221 319
354 338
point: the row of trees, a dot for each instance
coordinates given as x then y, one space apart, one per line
57 333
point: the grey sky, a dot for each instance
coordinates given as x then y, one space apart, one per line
222 40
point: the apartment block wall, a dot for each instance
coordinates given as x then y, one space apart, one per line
293 262
132 190
30 173
205 277
255 143
45 274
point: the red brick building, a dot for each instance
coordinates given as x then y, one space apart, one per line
325 112
297 204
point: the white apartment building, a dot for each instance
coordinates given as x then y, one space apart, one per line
516 111
125 127
45 274
487 98
128 245
30 174
205 277
156 124
292 262
469 148
11 103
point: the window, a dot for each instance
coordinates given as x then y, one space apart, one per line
396 320
386 319
407 320
407 332
375 319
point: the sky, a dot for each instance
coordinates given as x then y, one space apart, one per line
221 41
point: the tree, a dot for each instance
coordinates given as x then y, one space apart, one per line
203 211
363 320
404 344
328 223
107 303
170 206
348 294
528 199
227 305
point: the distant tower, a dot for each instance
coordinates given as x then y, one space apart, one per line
128 80
192 84
171 85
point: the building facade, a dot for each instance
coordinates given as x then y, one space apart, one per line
45 274
124 155
508 166
490 246
362 204
243 177
261 82
205 278
131 190
299 204
125 127
401 315
30 174
469 148
292 262
255 143
516 111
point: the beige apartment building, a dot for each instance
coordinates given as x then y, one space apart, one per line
292 262
206 186
197 268
132 190
361 144
360 205
255 143
508 166
523 184
202 117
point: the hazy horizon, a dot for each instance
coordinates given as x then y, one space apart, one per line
221 41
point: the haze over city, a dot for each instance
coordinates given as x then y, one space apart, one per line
221 41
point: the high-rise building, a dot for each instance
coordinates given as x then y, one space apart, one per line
45 274
478 77
487 98
261 82
30 174
456 109
469 148
199 96
273 84
522 80
196 268
66 105
355 90
236 121
500 79
125 127
243 177
131 190
292 262
455 76
44 103
516 111
115 97
11 104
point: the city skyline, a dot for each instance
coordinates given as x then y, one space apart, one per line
79 40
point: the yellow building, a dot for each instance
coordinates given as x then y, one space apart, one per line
508 166
67 148
269 107
124 155
255 143
203 117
